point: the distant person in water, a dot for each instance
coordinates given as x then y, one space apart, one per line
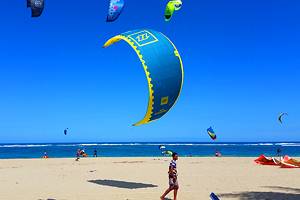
278 151
78 154
218 154
173 182
45 155
95 153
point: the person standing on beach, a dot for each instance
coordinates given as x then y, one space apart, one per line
173 182
95 153
78 154
45 155
278 151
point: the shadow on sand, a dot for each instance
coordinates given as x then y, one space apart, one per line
287 194
262 196
286 189
47 199
122 184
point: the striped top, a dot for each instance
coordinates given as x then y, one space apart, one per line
173 165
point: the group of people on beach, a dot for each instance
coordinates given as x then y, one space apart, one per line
172 172
81 152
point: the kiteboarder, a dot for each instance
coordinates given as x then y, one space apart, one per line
173 182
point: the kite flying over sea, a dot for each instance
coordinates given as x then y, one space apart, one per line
37 7
115 9
163 68
281 117
172 6
211 133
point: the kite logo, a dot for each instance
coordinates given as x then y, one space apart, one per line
164 101
143 38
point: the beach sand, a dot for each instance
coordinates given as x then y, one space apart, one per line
144 179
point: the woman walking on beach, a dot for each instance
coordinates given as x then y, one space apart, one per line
173 182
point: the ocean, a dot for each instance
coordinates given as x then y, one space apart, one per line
68 150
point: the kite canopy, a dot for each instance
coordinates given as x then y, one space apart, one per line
281 116
171 7
115 9
211 133
288 162
263 160
167 153
66 131
37 7
163 68
161 147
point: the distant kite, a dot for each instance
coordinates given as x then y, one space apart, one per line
37 7
211 133
161 147
115 9
163 67
171 7
66 131
281 116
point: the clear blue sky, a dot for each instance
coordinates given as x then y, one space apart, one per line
241 61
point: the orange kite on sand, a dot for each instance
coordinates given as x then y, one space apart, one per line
289 162
263 160
285 162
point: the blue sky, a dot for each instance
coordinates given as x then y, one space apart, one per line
241 61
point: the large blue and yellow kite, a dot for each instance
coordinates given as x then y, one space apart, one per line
163 68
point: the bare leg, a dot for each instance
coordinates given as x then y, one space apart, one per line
166 193
175 194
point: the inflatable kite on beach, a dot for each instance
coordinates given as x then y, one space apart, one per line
211 133
285 162
171 7
37 7
163 67
289 162
167 153
263 160
281 116
115 9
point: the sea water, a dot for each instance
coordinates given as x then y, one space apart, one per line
67 150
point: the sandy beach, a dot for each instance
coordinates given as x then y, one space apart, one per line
144 178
